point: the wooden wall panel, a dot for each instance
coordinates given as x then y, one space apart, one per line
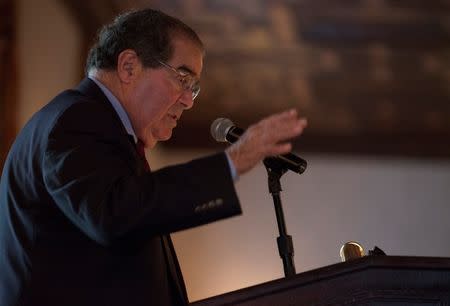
372 76
8 76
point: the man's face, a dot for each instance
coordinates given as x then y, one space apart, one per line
158 98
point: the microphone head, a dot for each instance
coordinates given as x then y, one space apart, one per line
220 128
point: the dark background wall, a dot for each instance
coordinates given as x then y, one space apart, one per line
372 76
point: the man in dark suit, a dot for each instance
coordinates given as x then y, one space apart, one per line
83 220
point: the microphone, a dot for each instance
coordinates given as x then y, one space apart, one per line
224 130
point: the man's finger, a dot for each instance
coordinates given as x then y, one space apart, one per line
285 130
280 149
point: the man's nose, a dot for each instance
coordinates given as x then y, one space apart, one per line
186 99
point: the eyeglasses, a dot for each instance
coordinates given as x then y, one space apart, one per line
187 80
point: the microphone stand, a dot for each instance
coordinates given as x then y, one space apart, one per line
275 170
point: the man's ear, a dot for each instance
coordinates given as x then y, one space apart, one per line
128 65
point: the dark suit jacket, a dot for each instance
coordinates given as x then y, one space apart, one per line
82 223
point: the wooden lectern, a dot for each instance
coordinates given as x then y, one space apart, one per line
370 280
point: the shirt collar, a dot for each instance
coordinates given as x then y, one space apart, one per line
117 107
